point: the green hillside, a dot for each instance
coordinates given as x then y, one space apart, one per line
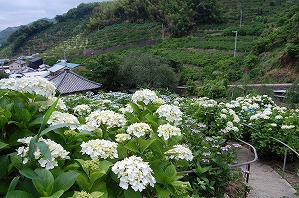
195 39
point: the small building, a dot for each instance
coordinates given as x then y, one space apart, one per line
56 69
69 82
60 66
17 65
35 62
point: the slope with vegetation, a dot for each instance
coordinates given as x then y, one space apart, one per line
194 39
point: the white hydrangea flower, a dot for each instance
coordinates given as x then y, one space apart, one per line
144 95
135 172
167 130
36 85
127 109
139 129
106 117
88 127
171 113
100 149
287 126
122 137
278 117
82 109
61 118
57 151
223 116
179 152
159 101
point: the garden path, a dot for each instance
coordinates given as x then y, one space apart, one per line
264 182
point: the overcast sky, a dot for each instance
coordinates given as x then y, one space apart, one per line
21 12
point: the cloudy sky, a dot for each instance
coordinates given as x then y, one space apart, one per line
21 12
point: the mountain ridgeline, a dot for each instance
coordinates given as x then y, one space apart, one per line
194 38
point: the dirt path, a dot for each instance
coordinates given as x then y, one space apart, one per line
263 180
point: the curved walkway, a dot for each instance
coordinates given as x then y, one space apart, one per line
264 182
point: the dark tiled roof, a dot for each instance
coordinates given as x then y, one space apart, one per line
69 82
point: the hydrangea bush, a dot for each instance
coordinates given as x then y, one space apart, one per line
123 145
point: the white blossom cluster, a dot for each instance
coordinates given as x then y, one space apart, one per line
206 102
82 109
229 112
62 118
171 113
127 109
159 101
179 152
265 114
122 137
166 131
57 151
106 117
100 149
36 85
230 127
135 172
287 126
254 102
139 129
144 95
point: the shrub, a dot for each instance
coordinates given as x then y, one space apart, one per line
214 89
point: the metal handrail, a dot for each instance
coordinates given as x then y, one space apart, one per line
249 162
234 165
285 154
286 148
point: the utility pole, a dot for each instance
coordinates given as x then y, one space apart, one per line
2 63
241 15
235 50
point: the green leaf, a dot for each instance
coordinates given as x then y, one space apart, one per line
157 146
13 184
105 165
51 128
29 173
170 173
130 193
131 145
44 183
4 162
94 176
3 145
56 194
16 161
44 149
32 147
37 121
65 180
135 107
144 144
98 194
48 114
18 194
162 193
3 120
26 116
83 182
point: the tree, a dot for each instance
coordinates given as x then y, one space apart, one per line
140 69
102 69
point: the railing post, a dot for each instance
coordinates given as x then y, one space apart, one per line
284 161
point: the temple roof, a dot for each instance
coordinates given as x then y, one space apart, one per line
68 82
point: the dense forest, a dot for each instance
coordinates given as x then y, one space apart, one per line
191 41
